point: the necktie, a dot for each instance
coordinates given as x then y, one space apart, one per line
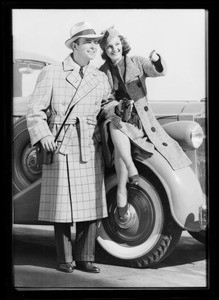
81 72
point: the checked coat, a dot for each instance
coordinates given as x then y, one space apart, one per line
72 188
152 136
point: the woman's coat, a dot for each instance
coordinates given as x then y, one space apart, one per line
138 69
73 185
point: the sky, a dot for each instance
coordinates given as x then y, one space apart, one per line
178 35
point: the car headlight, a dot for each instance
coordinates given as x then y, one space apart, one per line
197 136
188 134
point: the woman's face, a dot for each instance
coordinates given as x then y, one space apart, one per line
114 49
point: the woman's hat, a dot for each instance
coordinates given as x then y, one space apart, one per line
82 29
108 34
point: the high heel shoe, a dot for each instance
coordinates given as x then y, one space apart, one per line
134 179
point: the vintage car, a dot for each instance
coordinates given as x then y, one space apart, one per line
165 203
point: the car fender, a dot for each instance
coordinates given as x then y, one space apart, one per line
181 131
182 188
26 204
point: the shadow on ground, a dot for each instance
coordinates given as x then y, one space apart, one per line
40 251
188 250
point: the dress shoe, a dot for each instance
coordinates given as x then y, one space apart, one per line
87 266
66 267
134 179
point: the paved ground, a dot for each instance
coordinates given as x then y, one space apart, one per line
35 266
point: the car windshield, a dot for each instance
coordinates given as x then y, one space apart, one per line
25 73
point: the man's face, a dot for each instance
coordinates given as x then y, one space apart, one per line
86 48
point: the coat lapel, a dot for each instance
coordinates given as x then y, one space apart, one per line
132 70
84 86
72 76
87 84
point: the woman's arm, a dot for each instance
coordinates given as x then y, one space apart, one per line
153 66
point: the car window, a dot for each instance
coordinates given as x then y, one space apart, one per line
25 74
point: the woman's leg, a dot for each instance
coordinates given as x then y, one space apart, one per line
122 177
122 145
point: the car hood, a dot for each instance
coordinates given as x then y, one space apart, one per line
160 108
177 108
19 54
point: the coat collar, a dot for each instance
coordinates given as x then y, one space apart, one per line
70 65
88 83
132 70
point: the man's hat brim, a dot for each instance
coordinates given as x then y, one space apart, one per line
91 36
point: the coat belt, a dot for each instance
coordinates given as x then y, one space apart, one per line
65 147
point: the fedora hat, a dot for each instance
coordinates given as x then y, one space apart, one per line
82 29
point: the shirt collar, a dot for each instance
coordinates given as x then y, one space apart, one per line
70 64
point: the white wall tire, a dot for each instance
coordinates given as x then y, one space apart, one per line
152 235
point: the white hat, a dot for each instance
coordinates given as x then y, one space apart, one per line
82 29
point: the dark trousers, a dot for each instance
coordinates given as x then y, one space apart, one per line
84 249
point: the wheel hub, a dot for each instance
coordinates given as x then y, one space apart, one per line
30 165
140 222
132 218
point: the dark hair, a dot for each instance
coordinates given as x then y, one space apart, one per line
75 41
125 48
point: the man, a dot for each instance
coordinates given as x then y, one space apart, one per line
73 185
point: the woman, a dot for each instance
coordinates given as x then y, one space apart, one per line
127 76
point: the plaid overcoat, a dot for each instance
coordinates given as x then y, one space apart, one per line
138 69
72 187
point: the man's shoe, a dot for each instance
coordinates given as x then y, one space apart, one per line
66 267
87 266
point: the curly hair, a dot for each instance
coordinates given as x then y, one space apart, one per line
125 48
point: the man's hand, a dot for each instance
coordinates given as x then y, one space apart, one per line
120 106
153 56
48 143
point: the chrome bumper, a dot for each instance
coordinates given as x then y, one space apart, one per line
203 216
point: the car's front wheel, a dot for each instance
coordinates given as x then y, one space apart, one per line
151 234
25 167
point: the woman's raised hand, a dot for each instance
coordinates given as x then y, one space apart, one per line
153 56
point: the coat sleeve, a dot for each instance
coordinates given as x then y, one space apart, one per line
39 103
152 69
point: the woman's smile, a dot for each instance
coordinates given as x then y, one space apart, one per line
114 49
